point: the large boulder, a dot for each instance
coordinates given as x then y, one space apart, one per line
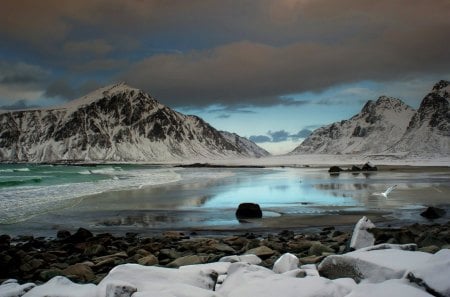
249 211
433 213
433 275
374 265
335 169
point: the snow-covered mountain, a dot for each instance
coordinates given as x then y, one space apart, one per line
114 123
429 128
247 146
378 126
389 126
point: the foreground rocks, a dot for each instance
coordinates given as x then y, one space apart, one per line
411 261
86 258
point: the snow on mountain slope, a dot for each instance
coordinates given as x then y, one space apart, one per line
429 129
249 147
388 126
378 127
115 123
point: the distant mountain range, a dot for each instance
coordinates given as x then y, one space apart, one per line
116 123
389 126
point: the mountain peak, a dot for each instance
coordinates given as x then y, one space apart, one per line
442 84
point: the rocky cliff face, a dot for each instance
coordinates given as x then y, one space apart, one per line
388 126
429 128
115 123
247 146
376 128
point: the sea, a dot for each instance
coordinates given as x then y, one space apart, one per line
40 199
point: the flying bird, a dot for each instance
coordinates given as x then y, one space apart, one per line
385 193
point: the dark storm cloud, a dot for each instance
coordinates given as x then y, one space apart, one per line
21 74
233 52
19 104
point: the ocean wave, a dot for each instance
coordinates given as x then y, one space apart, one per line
19 203
21 169
14 183
6 170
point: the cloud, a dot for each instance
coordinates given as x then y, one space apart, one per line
61 88
280 136
19 104
260 138
223 116
22 74
301 134
231 52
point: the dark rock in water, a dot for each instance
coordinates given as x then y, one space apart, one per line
369 167
62 234
355 168
248 211
433 213
335 169
80 236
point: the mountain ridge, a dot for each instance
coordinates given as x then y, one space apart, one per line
388 126
114 123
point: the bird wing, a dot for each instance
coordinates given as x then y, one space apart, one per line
390 189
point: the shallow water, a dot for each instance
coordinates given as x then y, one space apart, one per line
138 198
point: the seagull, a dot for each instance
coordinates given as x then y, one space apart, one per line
385 193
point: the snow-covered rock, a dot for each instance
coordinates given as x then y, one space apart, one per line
395 288
114 123
286 262
434 275
157 279
361 237
59 286
373 265
10 288
250 259
251 280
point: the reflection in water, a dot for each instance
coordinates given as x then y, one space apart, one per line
212 202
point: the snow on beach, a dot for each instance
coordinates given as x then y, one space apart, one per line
380 270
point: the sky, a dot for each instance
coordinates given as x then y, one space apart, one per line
269 70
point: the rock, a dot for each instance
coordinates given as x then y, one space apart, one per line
388 288
429 249
63 234
175 235
250 259
369 167
11 288
63 287
286 262
187 260
248 211
48 274
225 248
355 168
31 265
430 239
261 251
318 249
80 236
5 242
120 289
335 169
433 275
311 259
149 260
372 266
94 250
361 237
80 272
433 213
